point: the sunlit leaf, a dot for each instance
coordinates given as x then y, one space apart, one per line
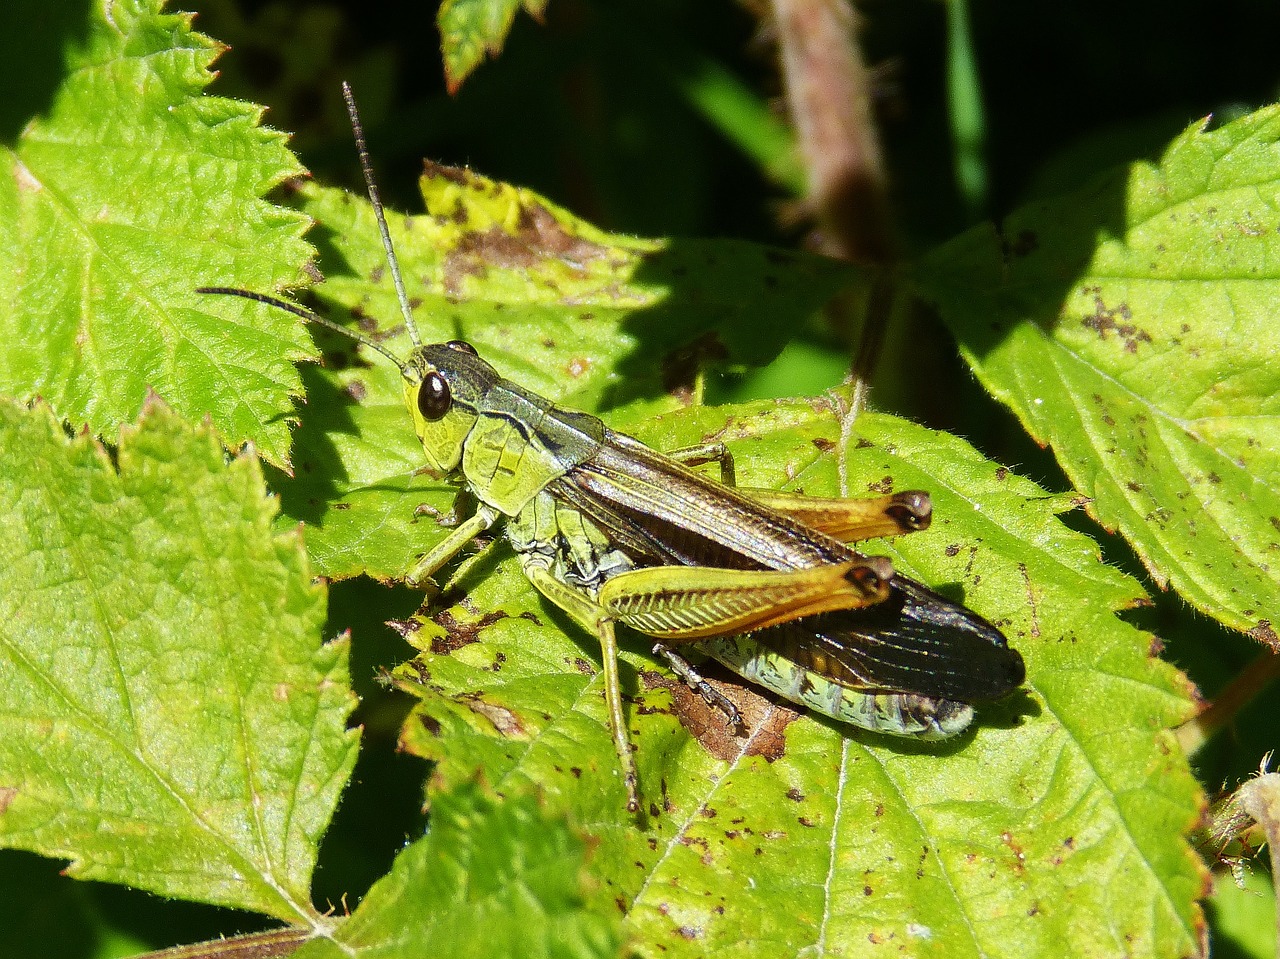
1131 326
470 30
129 191
1045 825
171 717
490 879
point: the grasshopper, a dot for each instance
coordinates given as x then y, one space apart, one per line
612 532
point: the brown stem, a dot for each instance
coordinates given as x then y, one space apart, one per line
255 945
1223 710
829 95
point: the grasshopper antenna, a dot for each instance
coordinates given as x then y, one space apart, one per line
367 167
308 315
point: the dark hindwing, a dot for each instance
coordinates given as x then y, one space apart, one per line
916 641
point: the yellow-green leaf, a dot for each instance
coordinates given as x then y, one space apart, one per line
172 719
1131 326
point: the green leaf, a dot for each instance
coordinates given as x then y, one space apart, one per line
590 319
125 194
489 879
473 29
1130 325
171 719
1244 918
1063 810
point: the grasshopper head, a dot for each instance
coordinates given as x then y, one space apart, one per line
444 384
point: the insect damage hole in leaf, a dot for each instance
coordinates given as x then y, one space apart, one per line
172 720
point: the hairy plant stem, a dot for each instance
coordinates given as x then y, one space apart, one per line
255 945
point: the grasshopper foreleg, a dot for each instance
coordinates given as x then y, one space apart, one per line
448 547
695 681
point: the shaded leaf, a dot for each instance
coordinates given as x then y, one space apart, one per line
587 318
489 879
131 190
171 718
1130 325
1045 825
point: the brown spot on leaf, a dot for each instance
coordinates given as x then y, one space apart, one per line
459 634
453 174
765 720
1019 854
1118 320
882 486
536 237
7 795
503 719
1265 634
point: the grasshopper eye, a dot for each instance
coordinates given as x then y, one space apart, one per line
434 398
462 346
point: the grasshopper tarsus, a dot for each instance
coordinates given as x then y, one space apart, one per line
698 683
446 520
